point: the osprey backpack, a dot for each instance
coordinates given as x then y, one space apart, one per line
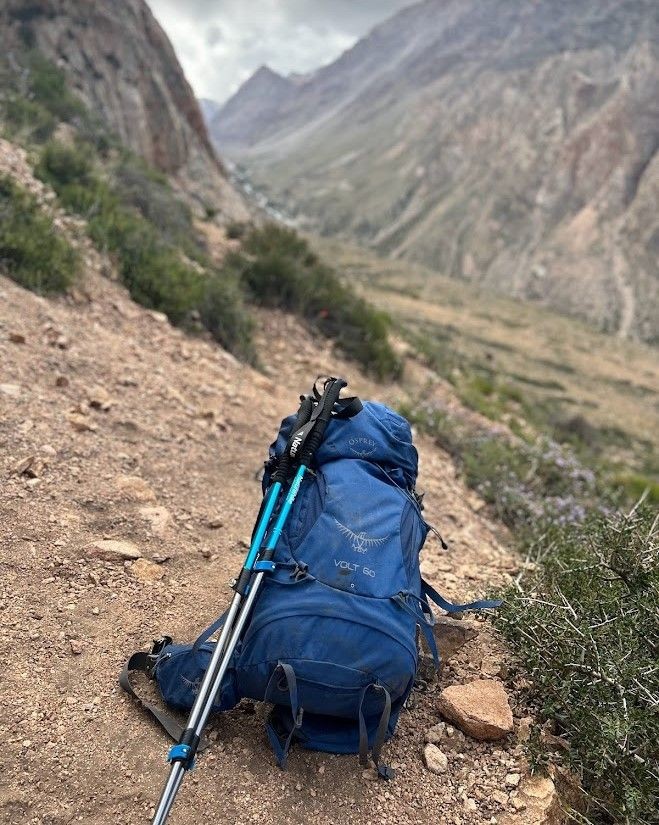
332 639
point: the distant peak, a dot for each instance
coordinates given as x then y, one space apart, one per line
264 71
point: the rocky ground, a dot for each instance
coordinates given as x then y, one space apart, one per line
128 454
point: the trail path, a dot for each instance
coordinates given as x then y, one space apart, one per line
94 393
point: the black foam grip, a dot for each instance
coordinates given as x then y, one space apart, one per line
284 464
330 397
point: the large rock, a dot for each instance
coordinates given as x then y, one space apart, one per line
478 708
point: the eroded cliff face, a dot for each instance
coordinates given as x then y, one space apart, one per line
121 63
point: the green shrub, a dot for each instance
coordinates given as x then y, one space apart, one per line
585 625
47 86
25 117
61 166
635 485
235 229
223 313
148 191
142 233
37 97
31 251
280 270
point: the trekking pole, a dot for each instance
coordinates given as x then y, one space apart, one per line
304 442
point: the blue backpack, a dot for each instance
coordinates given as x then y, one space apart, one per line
332 640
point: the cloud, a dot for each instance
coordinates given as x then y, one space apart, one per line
220 43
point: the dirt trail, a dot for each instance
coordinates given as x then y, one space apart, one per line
95 390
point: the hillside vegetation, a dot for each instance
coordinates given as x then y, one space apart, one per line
561 445
132 212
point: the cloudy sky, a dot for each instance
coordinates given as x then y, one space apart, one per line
220 43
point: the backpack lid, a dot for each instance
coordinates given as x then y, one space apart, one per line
376 434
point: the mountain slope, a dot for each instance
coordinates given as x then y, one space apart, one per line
120 62
512 145
116 427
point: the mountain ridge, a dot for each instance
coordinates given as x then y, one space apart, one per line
514 147
119 61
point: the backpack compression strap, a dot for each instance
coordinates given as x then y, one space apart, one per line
449 607
281 744
383 770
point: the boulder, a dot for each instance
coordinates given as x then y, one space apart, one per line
478 708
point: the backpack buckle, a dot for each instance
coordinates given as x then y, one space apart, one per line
300 571
159 645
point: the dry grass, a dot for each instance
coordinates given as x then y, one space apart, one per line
558 364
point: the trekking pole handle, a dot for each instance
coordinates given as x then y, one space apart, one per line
331 396
284 463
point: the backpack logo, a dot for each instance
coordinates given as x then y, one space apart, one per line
360 542
193 686
362 447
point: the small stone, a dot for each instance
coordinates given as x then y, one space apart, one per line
10 390
146 570
524 729
436 734
17 337
479 708
114 550
160 317
99 398
298 786
451 634
159 519
370 775
81 423
538 798
500 797
512 779
491 666
215 523
61 381
470 805
76 647
435 760
134 488
29 467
